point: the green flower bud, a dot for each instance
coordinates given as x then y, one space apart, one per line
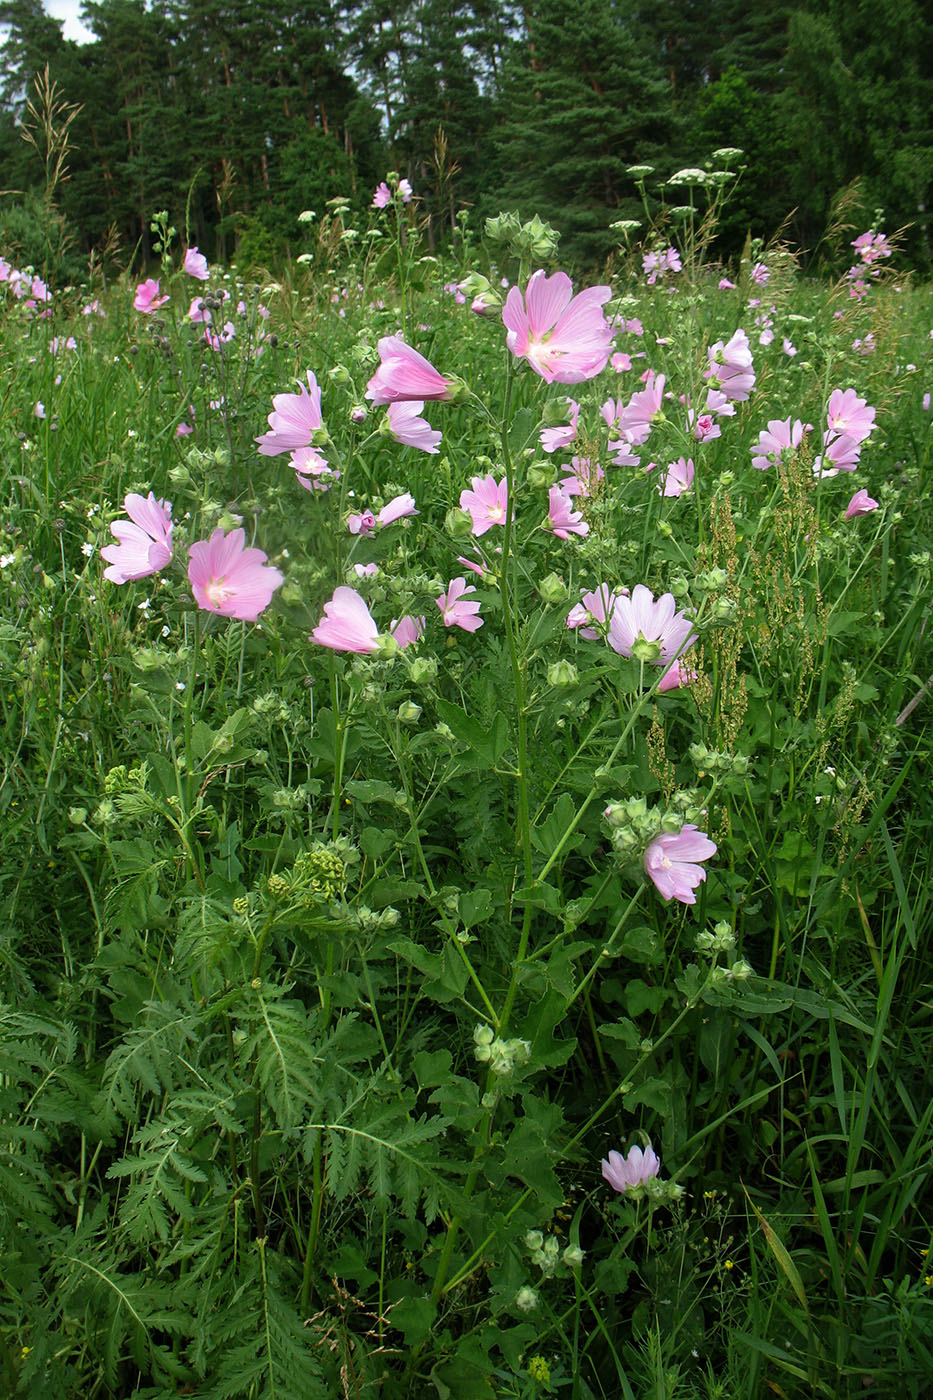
409 712
562 673
458 523
643 650
526 1299
553 590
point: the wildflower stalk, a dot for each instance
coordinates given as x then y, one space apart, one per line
506 588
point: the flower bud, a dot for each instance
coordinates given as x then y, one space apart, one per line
458 523
562 673
484 1035
573 1256
553 590
409 712
423 670
526 1299
540 474
643 650
338 374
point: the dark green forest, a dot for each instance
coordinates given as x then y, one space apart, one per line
236 115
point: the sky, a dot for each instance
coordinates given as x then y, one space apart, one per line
68 10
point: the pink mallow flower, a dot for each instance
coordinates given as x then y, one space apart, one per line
584 478
643 410
777 442
634 1169
229 579
563 520
671 862
639 619
404 375
362 524
860 504
408 630
147 297
410 429
730 367
347 624
195 265
456 612
294 421
849 414
840 454
487 503
397 509
145 540
593 607
678 477
553 439
565 338
383 196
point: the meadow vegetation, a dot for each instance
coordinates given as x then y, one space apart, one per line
465 897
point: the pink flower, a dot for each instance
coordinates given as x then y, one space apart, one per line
39 409
842 453
760 275
397 509
635 1169
563 520
593 607
553 439
411 430
383 196
147 297
198 312
408 630
487 503
705 428
403 375
789 348
725 285
294 421
849 414
456 612
405 190
777 442
678 478
656 264
229 579
145 540
362 524
563 337
347 624
311 470
641 619
860 504
730 367
643 410
620 362
184 430
586 475
195 265
676 676
671 863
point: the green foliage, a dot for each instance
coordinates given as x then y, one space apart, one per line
329 979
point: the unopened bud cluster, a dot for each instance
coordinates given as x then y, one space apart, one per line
634 824
712 761
720 940
501 1056
534 238
546 1252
